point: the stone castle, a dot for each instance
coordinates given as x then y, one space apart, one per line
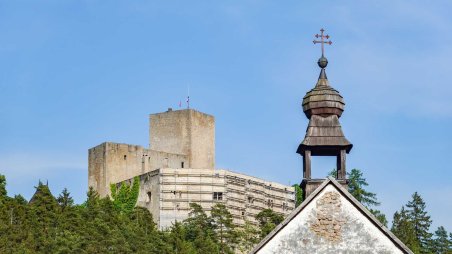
178 168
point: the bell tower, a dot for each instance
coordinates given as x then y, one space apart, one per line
323 106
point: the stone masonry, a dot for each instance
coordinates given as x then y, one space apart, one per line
179 168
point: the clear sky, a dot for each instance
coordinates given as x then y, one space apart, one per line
77 73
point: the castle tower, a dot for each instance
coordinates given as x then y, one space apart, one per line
323 106
187 132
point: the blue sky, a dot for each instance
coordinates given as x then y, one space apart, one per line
78 73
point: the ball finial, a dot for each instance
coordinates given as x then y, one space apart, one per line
323 62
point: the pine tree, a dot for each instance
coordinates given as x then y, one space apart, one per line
249 237
421 222
65 200
441 244
268 220
225 230
198 224
403 228
3 192
43 209
356 187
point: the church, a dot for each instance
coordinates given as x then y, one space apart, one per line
330 219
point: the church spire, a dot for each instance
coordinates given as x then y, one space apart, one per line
323 106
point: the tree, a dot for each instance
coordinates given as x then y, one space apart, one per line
249 237
3 192
421 221
198 224
356 187
225 230
176 239
403 228
441 244
126 197
65 200
298 194
268 220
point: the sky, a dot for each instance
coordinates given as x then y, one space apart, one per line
75 74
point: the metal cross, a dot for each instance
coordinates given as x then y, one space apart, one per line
322 41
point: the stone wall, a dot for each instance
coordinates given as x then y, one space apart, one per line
330 223
112 163
187 132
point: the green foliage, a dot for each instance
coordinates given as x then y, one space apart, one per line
441 244
3 192
224 228
298 194
420 221
404 230
268 220
356 186
102 225
125 198
412 226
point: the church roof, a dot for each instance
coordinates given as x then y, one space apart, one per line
324 132
330 220
323 99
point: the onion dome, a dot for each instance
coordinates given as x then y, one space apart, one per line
323 100
323 105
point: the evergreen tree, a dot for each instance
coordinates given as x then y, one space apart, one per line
404 230
176 239
65 200
225 230
356 186
43 209
421 222
198 224
3 192
268 220
441 244
249 237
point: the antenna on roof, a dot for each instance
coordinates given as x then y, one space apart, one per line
188 97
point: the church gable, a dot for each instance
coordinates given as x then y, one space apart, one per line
331 221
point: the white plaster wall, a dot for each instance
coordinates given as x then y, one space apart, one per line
359 235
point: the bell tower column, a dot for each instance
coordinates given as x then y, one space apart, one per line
323 106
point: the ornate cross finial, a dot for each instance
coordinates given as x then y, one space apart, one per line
322 39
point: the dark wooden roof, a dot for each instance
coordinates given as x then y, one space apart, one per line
323 100
324 134
323 105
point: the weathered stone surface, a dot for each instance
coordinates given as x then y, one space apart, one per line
329 221
178 169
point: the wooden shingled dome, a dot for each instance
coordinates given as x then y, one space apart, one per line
323 106
323 100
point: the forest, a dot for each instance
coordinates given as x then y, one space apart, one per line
55 224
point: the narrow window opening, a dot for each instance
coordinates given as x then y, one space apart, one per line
149 197
218 196
182 164
125 157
